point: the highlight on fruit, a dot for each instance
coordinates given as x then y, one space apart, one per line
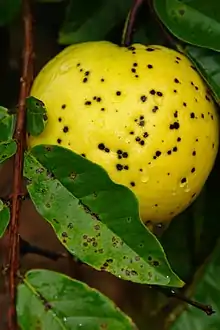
141 112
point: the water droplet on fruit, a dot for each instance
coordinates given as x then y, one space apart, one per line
145 179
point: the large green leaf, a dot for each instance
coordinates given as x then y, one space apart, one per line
96 219
4 217
206 290
8 10
194 21
208 64
49 300
36 116
92 20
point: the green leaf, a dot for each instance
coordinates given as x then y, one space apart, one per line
193 21
8 10
4 217
208 64
49 300
92 20
7 124
96 219
7 150
206 291
36 116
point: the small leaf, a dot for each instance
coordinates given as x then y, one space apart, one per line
208 64
92 20
36 116
8 10
4 217
96 219
7 150
49 300
205 290
7 124
193 21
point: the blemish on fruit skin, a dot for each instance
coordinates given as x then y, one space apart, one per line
59 141
175 125
63 106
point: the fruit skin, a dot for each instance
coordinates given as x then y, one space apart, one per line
143 113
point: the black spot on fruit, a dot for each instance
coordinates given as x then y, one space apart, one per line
183 180
175 125
143 98
88 103
63 106
132 183
152 92
85 80
149 49
101 146
176 81
119 167
178 139
59 141
59 119
150 66
155 108
65 129
192 115
118 93
193 170
159 94
194 153
175 114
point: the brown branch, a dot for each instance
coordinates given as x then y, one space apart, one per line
27 248
25 84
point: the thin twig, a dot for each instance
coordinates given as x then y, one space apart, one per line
169 292
26 80
127 39
27 248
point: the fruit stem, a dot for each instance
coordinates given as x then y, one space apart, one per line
130 22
